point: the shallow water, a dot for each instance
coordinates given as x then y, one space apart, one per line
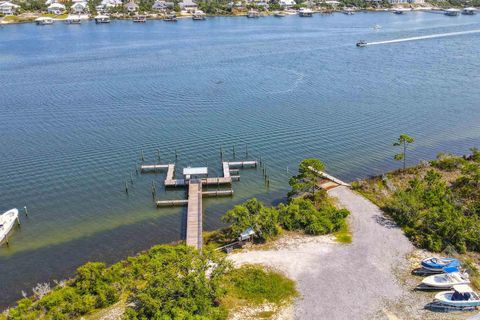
80 102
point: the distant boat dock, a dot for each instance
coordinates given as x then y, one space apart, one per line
195 179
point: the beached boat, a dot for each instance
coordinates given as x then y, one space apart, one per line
140 19
73 20
438 264
446 280
291 12
305 12
7 221
199 15
362 43
348 11
279 14
461 296
469 11
102 19
253 14
170 18
452 12
42 21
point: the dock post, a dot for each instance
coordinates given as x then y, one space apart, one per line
176 155
143 156
233 150
131 178
158 155
154 191
25 210
126 186
246 150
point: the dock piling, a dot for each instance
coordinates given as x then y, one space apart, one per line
25 210
126 186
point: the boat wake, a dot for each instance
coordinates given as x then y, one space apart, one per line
440 35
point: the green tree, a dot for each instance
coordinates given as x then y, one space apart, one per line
305 181
403 141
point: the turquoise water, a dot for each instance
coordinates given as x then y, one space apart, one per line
80 102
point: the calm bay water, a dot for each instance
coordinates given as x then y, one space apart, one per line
79 103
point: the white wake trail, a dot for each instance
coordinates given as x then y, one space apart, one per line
440 35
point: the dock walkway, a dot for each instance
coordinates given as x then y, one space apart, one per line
194 214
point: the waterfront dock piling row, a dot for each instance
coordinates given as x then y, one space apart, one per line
195 179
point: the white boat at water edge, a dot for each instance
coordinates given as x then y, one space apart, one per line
7 221
452 12
470 11
305 12
102 19
42 21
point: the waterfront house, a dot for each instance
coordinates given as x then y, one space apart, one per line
56 8
79 7
161 5
287 3
8 8
131 7
188 5
405 1
111 3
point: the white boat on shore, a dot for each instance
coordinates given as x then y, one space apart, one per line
446 280
401 10
253 13
7 221
71 19
462 296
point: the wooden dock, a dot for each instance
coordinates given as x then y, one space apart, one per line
194 214
195 193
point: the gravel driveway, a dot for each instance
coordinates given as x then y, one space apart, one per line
343 281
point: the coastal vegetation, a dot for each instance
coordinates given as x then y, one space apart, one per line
309 210
436 203
165 282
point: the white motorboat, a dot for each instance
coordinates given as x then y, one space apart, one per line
446 280
73 20
400 10
7 221
42 21
198 15
305 12
140 19
102 19
452 12
279 14
462 296
469 11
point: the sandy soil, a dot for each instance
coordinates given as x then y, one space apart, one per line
368 279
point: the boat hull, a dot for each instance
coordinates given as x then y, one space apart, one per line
445 298
7 222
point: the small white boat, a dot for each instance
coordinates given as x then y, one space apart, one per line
305 12
452 12
7 221
348 11
279 14
198 15
291 12
462 296
377 27
470 11
400 10
102 19
446 280
170 18
73 20
140 19
42 21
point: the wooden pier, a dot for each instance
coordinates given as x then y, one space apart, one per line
195 193
194 215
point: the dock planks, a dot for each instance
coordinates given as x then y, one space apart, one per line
194 214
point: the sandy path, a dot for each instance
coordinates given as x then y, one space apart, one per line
342 281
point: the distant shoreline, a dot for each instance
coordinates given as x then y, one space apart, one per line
30 17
